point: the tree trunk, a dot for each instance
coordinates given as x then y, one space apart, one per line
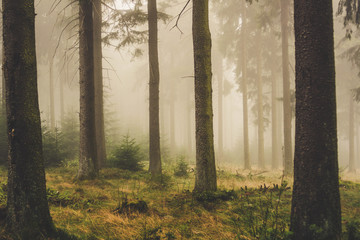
244 88
316 198
62 107
52 100
88 164
288 163
352 167
261 162
205 179
154 125
28 214
98 79
274 123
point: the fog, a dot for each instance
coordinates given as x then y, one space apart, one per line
126 81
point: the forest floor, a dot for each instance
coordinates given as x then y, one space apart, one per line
129 205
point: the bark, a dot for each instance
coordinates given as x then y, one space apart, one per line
205 179
261 162
288 163
316 199
98 78
352 166
28 214
154 125
244 89
88 164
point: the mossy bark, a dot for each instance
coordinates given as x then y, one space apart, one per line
98 78
154 82
288 161
88 164
205 179
28 214
315 212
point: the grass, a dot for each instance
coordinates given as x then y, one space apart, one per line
249 205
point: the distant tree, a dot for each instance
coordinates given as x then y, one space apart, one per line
28 215
288 161
88 164
98 81
154 84
315 211
205 160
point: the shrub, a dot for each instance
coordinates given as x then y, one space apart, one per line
127 155
181 168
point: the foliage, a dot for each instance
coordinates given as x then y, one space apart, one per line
352 230
127 155
60 145
3 138
263 212
181 168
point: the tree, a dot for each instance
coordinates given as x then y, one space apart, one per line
205 160
260 111
288 163
28 215
244 89
88 164
154 126
315 212
98 79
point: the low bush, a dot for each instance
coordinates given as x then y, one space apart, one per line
127 155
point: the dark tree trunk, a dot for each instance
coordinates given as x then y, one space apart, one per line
316 199
154 125
28 214
88 164
260 108
288 163
205 179
244 89
98 78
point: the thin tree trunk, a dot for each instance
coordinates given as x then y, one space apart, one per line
52 101
244 89
98 78
28 215
188 117
316 209
62 107
260 111
205 179
274 123
352 167
220 109
172 120
288 168
154 125
88 164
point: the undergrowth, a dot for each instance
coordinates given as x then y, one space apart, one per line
123 204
